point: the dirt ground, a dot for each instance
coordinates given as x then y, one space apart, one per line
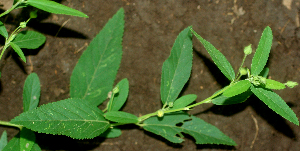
151 28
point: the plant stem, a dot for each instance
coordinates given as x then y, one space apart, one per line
12 8
10 124
237 75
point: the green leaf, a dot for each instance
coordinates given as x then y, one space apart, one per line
36 147
262 52
3 140
71 117
18 51
272 84
121 117
29 39
237 88
13 144
264 72
121 97
218 58
111 133
184 101
56 8
27 139
3 31
21 5
203 132
31 92
96 70
276 103
177 68
223 100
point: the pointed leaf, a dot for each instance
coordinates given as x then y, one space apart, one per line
3 140
237 88
36 147
71 117
27 139
176 69
96 70
218 58
29 39
272 84
31 92
276 103
56 8
13 144
264 72
18 51
223 100
3 31
121 117
111 133
262 52
121 97
205 133
184 101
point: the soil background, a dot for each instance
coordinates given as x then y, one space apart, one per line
151 28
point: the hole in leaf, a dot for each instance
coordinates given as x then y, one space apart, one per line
179 124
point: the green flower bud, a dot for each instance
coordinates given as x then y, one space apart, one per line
116 90
291 84
171 104
243 71
262 80
248 50
33 14
160 113
23 24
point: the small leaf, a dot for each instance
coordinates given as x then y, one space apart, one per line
177 68
27 139
184 101
71 117
218 58
3 31
94 74
3 140
29 39
223 100
31 92
121 97
264 72
13 144
262 52
272 84
276 103
121 117
56 8
237 88
36 147
18 51
111 133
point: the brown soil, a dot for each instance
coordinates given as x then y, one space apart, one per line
150 30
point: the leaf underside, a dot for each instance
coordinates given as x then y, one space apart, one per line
31 92
29 39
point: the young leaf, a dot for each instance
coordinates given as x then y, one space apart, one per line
3 31
96 70
264 72
218 58
262 52
56 8
3 140
111 133
71 117
272 84
13 144
27 139
276 103
18 51
184 101
31 92
205 133
121 97
237 88
223 100
29 39
177 68
121 117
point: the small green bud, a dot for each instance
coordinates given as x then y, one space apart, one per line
243 71
23 24
248 50
263 80
116 90
33 14
291 84
160 113
170 104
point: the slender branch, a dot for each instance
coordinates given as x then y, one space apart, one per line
12 8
